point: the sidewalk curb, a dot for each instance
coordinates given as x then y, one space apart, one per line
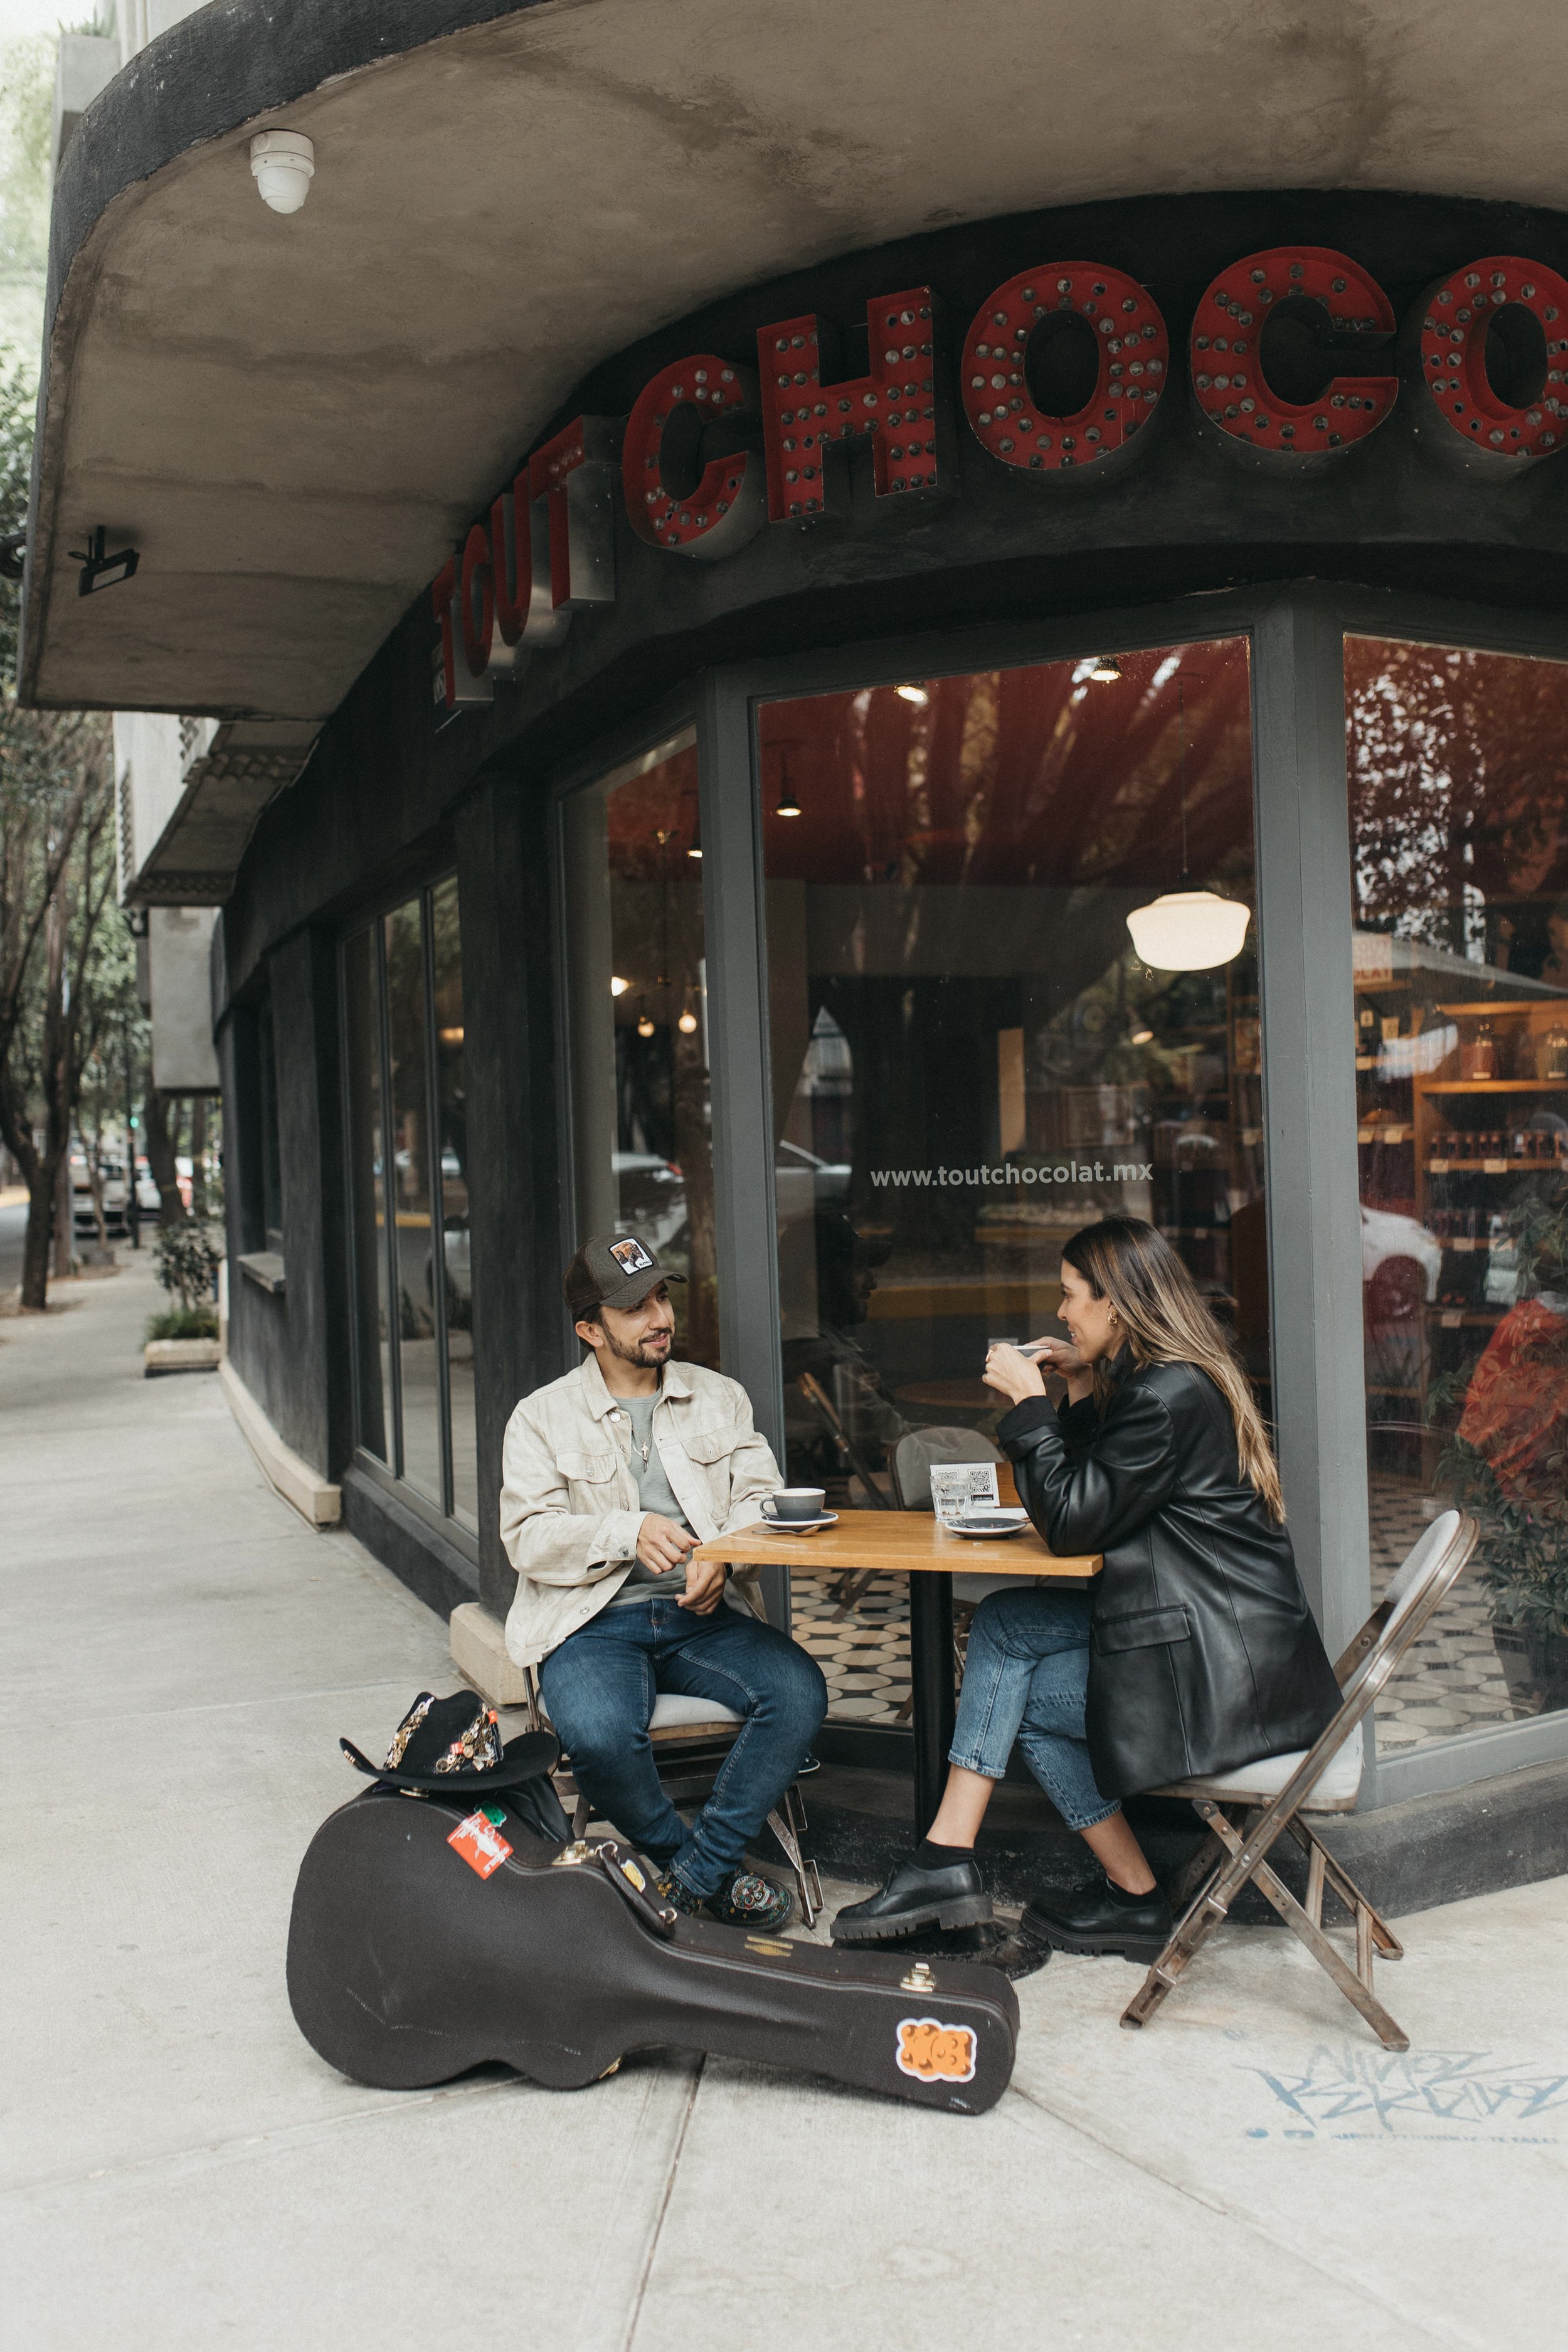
316 1500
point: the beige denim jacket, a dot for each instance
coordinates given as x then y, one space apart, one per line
569 1510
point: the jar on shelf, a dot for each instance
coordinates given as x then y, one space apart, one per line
1477 1054
1551 1053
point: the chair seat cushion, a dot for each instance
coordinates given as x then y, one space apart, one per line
673 1709
1336 1791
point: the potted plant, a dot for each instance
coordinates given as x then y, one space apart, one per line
184 1337
1506 1461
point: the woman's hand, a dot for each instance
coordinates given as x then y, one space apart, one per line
1009 1370
1061 1355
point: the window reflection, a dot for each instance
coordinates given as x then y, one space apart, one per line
642 1115
408 1183
970 1060
1459 851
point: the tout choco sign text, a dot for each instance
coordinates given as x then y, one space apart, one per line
696 484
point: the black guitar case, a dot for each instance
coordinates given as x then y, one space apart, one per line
426 1938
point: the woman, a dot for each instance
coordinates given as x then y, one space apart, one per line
1195 1653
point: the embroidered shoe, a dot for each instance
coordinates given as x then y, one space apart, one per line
749 1901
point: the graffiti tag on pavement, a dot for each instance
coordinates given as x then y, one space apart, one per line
1349 2093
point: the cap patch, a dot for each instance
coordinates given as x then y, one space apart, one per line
630 1256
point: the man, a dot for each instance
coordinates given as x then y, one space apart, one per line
610 1477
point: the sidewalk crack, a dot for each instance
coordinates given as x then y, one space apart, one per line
634 2318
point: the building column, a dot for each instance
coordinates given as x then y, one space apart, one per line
505 866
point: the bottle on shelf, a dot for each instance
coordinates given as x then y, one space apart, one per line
1478 1056
1551 1053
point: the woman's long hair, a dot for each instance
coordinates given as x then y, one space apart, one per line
1167 1322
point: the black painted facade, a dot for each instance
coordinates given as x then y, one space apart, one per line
397 793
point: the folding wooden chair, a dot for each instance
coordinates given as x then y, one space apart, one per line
1272 1796
691 1737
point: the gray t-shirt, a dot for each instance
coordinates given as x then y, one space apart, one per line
655 1494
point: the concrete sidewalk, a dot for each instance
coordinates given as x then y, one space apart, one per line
179 2170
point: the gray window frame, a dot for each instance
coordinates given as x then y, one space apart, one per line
1296 633
390 1475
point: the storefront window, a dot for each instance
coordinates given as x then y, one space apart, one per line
409 1200
971 1059
1459 875
637 979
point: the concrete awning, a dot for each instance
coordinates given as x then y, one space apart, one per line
294 416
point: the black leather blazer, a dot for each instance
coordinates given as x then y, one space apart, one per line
1203 1653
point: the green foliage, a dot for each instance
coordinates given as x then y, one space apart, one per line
1522 1554
187 1258
184 1323
27 94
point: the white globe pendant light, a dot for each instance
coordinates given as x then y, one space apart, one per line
1186 930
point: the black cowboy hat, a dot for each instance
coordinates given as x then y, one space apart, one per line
452 1747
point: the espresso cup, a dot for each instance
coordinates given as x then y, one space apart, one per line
791 1504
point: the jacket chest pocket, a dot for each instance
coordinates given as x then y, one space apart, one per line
711 1449
1141 1629
591 1478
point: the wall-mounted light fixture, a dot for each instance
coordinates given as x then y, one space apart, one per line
618 986
101 570
283 164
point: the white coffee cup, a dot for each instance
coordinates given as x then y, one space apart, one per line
793 1504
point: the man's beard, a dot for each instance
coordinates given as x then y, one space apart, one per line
638 1353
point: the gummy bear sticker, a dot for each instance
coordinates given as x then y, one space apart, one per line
934 2052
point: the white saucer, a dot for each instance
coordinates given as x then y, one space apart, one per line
798 1527
993 1534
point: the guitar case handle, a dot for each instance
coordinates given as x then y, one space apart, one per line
625 1874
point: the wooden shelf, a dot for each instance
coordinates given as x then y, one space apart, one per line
1494 1086
1494 1167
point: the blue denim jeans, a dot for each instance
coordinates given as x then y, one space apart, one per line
1025 1680
599 1686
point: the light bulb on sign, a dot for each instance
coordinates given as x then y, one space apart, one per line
1188 930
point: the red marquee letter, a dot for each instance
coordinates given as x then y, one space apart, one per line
896 404
725 507
476 602
1456 316
1228 381
1134 359
526 619
454 682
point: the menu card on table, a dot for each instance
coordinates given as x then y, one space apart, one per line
957 1487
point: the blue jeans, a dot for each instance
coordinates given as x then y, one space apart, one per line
599 1686
1024 1679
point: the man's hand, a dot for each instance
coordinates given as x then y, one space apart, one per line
704 1587
661 1545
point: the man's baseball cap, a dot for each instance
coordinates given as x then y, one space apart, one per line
612 1270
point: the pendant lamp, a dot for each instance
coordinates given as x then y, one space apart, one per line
1187 930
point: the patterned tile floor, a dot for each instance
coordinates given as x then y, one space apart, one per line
864 1651
1451 1680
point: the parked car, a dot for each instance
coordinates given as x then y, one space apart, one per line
84 1217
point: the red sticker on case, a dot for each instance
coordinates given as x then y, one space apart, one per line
482 1848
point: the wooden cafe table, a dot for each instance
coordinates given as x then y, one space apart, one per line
911 1544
